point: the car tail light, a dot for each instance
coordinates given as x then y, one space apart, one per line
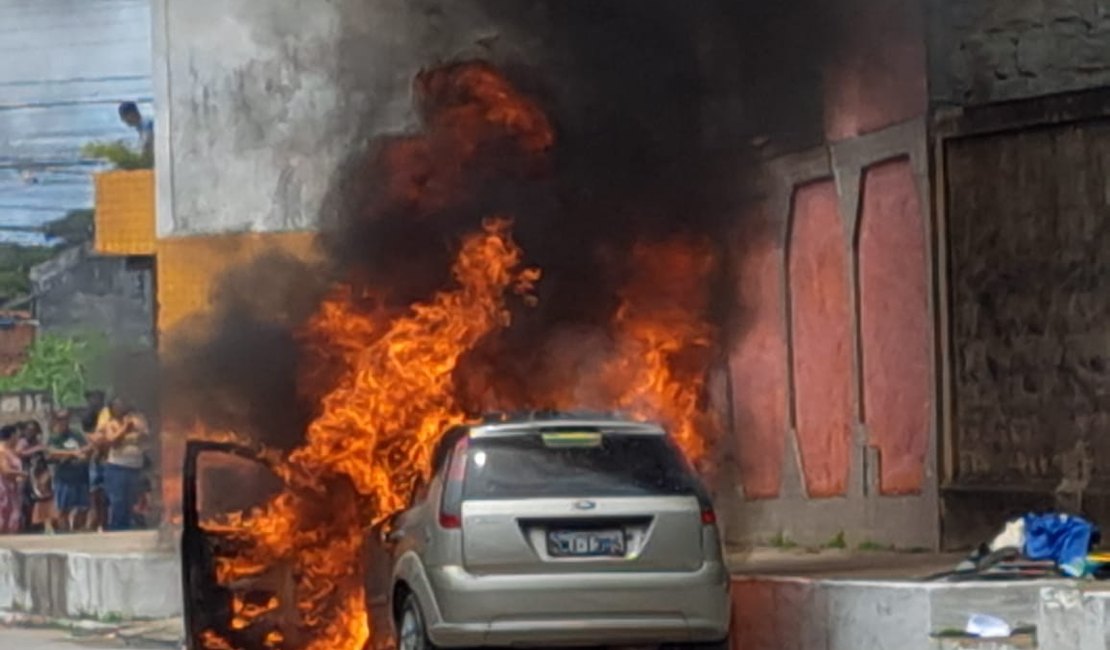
708 516
450 507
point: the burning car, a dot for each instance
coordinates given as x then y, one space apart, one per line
532 530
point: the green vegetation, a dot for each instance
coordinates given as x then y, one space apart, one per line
16 260
838 542
62 365
74 228
868 545
119 154
111 617
783 541
15 265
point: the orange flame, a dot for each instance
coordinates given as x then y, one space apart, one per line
658 371
385 383
374 433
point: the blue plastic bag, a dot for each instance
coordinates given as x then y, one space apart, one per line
1064 539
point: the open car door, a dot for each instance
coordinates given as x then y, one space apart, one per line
219 479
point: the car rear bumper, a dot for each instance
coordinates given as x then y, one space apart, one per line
579 609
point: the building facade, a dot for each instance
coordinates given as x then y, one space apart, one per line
923 344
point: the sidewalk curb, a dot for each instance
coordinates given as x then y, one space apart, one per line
146 632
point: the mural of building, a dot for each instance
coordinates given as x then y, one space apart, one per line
924 336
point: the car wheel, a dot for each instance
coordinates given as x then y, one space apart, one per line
411 632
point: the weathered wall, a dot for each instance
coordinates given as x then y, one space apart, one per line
24 405
81 291
1030 291
263 102
985 51
833 383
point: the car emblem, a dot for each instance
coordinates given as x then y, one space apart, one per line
584 505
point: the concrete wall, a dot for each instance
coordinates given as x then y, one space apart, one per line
261 103
833 382
24 405
81 291
985 51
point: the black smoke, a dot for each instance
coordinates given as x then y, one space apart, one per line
660 109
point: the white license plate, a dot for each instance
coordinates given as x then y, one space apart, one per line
592 543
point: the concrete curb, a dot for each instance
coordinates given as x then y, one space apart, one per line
772 613
76 585
169 633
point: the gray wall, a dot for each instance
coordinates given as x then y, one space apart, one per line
261 102
984 51
81 291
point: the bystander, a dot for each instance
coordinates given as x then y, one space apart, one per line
96 414
124 436
31 449
69 452
11 482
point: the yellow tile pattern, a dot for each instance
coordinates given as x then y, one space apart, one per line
125 212
189 267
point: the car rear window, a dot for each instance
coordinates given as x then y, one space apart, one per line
531 466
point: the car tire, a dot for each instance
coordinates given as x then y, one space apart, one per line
412 633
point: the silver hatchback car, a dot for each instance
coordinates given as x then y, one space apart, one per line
556 531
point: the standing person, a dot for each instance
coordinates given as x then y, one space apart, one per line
69 451
123 435
32 455
11 483
129 114
96 414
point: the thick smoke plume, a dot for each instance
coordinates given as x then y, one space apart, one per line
554 231
654 107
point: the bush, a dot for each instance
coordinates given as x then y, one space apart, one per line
15 264
119 154
74 228
59 364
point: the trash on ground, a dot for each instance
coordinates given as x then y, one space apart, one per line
1049 545
986 626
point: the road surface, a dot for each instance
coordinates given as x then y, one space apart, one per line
57 640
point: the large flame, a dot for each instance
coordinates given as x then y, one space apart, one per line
371 439
658 370
385 380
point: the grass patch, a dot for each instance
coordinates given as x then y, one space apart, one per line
782 541
871 546
837 542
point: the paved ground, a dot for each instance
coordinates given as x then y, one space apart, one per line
58 640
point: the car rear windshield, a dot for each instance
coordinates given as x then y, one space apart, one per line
532 466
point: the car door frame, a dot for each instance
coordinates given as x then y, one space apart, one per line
192 537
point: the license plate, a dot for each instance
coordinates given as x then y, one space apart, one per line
593 543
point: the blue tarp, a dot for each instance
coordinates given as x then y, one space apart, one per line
1064 539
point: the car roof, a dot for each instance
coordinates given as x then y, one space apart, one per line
501 425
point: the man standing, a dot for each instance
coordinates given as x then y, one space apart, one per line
123 435
69 451
130 115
